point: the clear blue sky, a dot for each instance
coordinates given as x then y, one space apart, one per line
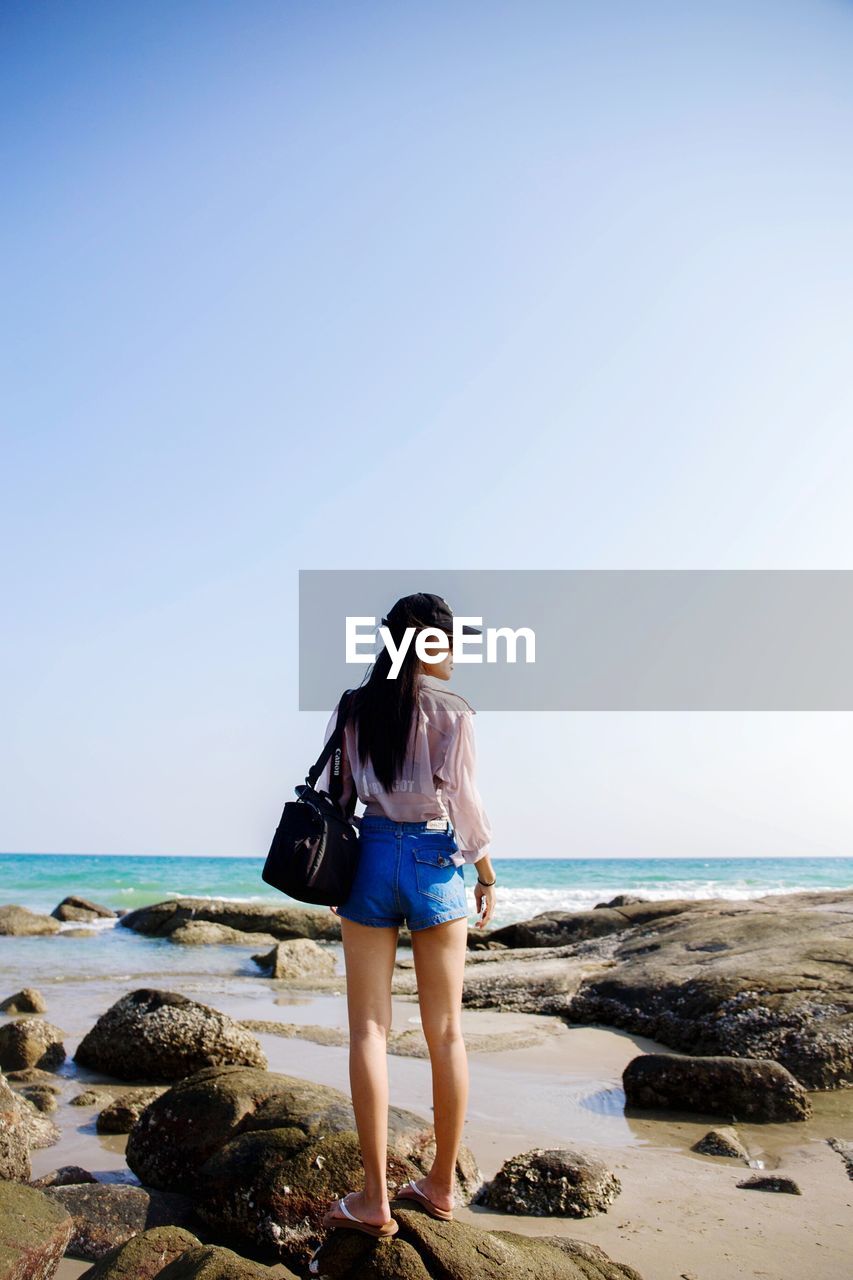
331 285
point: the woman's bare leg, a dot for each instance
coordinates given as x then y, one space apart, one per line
369 954
439 954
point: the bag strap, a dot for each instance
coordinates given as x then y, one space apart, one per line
335 744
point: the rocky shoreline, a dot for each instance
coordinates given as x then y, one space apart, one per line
234 1163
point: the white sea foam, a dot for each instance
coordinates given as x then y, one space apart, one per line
520 902
101 923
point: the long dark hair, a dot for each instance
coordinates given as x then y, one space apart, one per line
384 710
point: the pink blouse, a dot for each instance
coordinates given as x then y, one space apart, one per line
438 776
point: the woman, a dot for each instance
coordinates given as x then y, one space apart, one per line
409 756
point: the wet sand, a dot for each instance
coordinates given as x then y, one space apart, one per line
679 1214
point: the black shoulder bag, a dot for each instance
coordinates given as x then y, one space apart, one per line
314 852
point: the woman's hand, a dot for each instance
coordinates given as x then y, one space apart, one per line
485 897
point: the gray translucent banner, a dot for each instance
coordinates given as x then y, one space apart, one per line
609 640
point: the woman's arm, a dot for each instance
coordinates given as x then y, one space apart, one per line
470 823
459 791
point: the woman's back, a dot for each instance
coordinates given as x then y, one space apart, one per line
437 779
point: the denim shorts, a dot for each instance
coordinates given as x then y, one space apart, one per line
405 873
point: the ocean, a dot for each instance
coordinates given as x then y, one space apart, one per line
527 886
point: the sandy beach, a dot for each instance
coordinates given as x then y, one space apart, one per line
679 1213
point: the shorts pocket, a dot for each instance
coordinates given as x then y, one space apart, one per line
436 875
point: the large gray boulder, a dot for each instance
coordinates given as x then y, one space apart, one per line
551 1182
740 1088
163 918
763 979
107 1214
34 1233
31 1042
264 1154
18 922
180 1131
768 978
164 1036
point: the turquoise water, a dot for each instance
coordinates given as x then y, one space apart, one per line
527 885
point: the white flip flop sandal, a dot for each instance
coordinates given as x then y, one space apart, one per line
340 1216
411 1191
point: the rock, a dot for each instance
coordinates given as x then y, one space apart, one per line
194 1119
211 1262
197 932
553 1182
68 1175
425 1247
744 1088
31 1042
300 1031
845 1150
770 1182
161 1035
143 1256
297 958
76 908
768 978
722 1142
42 1096
123 1112
88 1098
27 1000
14 1136
162 918
17 922
408 1043
107 1214
32 1075
79 933
22 1128
560 928
621 900
531 980
264 1154
34 1233
270 1187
